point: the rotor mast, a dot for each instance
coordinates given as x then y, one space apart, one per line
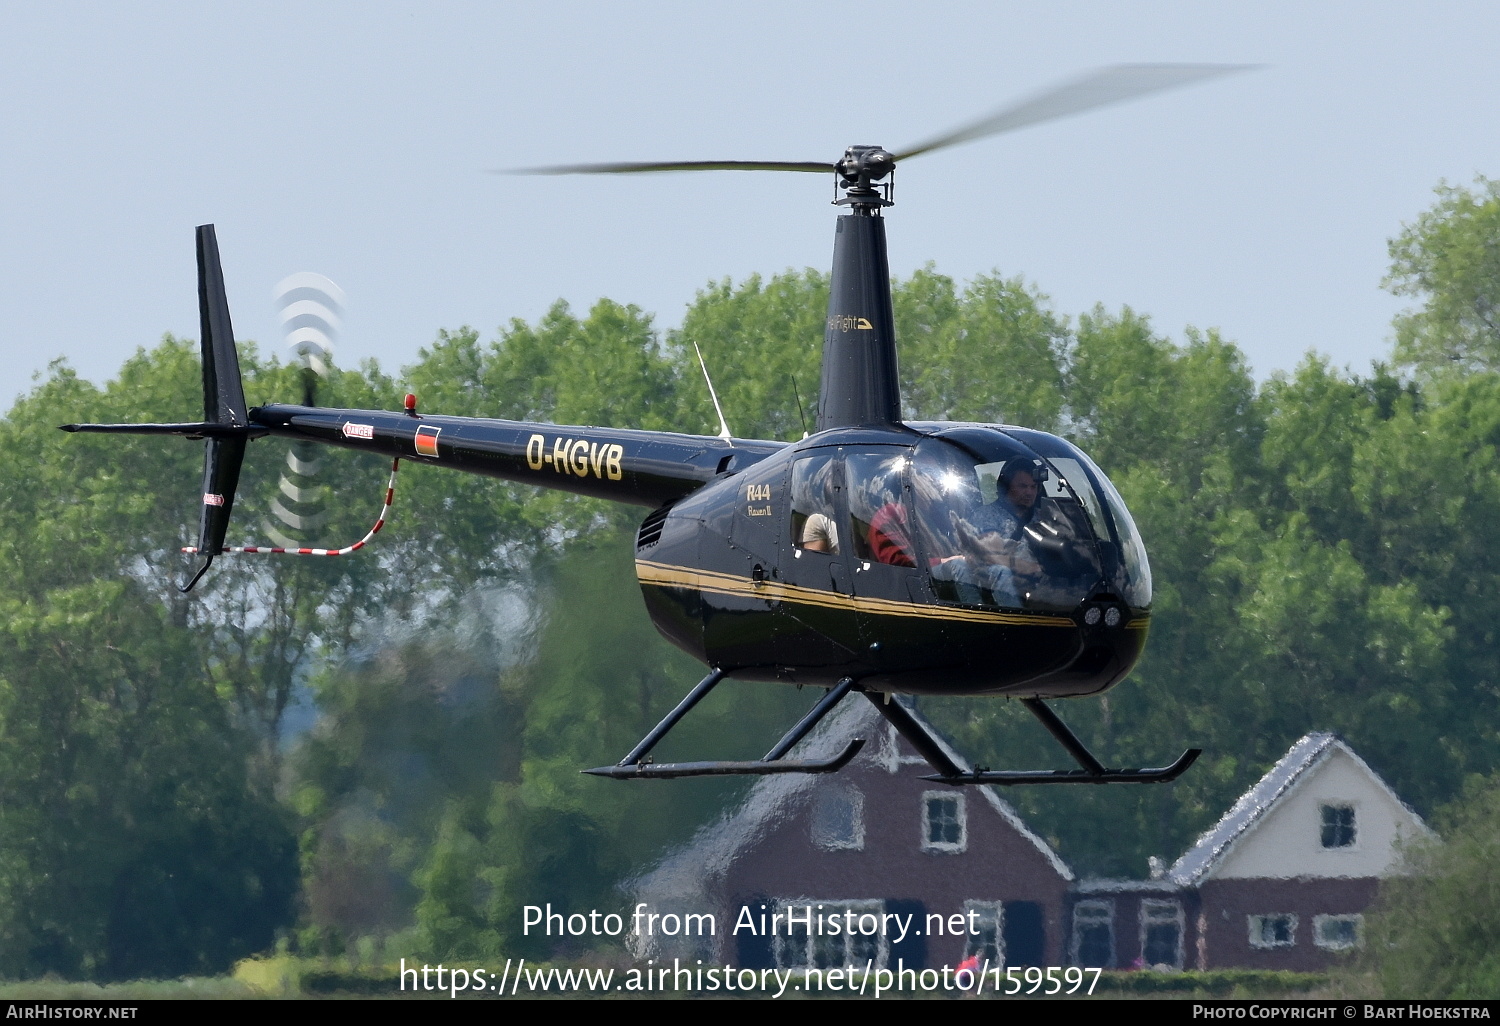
861 383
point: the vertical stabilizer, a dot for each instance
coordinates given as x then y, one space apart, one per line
223 395
223 403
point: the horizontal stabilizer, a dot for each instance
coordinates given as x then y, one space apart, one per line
203 429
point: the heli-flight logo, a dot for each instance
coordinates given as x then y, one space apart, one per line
426 441
352 430
210 499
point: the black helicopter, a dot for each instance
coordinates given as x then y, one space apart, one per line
875 555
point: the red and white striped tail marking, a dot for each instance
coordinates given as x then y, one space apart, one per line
390 498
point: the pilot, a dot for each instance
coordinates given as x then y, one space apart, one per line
1015 505
997 558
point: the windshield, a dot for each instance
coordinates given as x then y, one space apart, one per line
1120 545
1003 527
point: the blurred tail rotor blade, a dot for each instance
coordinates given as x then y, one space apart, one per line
1096 89
311 308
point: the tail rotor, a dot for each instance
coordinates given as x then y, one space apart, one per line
311 309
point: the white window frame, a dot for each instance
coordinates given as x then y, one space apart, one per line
856 799
1353 844
988 911
800 950
1320 922
961 808
1258 923
1157 911
1096 911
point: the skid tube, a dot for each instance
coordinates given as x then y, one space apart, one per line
1093 771
638 766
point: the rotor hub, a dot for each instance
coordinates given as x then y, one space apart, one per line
866 175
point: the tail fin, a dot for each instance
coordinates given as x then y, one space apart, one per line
223 404
226 422
223 394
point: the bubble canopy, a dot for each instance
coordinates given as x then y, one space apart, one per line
1005 518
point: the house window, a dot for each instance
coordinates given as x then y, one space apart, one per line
1338 933
831 934
943 822
1338 826
1276 931
988 944
1094 934
838 819
1161 933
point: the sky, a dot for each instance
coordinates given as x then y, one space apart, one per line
356 141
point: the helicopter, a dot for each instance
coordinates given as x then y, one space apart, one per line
875 555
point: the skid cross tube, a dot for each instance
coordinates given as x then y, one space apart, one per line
1093 772
636 766
918 736
808 722
1065 737
669 721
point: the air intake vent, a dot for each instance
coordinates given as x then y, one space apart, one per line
650 532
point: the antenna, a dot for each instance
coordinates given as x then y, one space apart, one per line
723 424
798 394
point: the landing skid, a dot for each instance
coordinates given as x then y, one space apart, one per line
638 766
1093 771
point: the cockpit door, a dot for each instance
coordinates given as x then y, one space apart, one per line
817 608
886 564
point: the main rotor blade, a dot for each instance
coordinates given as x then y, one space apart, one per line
1096 89
627 168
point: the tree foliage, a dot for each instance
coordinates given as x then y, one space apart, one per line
1436 931
1450 258
1319 543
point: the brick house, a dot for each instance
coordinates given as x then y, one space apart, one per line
870 840
1283 880
1280 882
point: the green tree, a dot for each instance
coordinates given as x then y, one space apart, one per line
1436 932
1450 259
994 353
141 727
761 343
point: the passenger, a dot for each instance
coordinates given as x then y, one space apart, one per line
820 534
889 536
814 485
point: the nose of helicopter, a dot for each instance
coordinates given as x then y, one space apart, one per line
1112 638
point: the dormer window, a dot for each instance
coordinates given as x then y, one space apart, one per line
1338 826
943 822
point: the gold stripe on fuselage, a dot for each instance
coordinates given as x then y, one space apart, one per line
668 576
